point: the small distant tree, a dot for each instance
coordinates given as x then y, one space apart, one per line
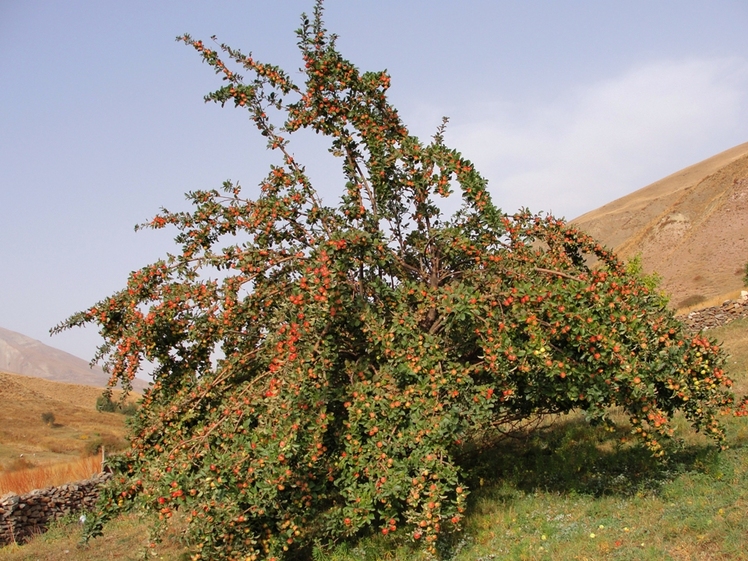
128 409
363 345
105 404
48 418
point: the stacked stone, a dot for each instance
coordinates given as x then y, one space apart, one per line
22 516
716 316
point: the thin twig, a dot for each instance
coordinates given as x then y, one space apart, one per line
557 273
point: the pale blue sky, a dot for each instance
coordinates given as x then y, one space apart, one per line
562 105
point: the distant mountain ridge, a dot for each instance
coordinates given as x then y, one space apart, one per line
20 354
690 227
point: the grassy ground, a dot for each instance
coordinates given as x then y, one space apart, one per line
125 539
568 492
568 495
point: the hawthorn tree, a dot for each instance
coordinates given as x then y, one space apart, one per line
320 368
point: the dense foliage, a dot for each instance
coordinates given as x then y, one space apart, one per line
319 370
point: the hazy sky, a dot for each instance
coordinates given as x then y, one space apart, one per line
563 106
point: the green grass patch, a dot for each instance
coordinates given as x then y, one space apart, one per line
125 539
574 492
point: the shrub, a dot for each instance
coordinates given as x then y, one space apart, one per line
365 346
745 275
48 418
128 409
110 442
691 301
104 403
19 464
651 281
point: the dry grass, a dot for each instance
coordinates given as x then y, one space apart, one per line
78 429
23 480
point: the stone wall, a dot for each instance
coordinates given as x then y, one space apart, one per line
22 516
716 316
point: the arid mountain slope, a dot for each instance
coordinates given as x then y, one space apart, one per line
691 227
77 426
23 355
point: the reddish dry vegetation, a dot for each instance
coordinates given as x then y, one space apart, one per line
26 479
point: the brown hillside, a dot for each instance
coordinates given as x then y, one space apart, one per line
23 355
77 427
691 227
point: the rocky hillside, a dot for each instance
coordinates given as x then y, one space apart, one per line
691 227
23 355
